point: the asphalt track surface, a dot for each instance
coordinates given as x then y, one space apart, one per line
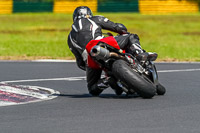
75 111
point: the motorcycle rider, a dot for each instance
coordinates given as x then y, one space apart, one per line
87 27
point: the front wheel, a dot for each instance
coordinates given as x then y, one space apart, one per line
160 89
122 71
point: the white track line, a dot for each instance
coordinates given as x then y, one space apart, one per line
84 78
50 79
181 70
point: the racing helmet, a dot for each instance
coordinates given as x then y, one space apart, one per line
82 12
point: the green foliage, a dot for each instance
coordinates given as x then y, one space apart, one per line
193 0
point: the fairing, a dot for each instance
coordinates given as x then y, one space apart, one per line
108 40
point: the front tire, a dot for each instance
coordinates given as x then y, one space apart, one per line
122 71
160 89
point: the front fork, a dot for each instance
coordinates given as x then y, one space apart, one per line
154 73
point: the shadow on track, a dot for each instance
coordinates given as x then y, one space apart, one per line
106 96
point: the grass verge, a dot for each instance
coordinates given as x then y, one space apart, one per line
44 35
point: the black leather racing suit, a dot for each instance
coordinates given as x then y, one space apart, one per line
87 29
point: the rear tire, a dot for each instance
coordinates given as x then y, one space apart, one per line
123 72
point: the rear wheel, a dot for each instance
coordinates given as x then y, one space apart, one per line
144 87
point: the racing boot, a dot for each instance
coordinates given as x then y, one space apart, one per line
147 56
103 83
136 49
99 87
141 54
113 84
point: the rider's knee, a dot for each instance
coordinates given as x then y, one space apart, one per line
134 38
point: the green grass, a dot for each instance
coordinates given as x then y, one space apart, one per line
44 35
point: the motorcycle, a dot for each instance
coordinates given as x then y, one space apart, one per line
130 74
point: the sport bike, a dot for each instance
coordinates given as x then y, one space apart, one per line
128 73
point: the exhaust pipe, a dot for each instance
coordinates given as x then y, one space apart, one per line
103 54
100 53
